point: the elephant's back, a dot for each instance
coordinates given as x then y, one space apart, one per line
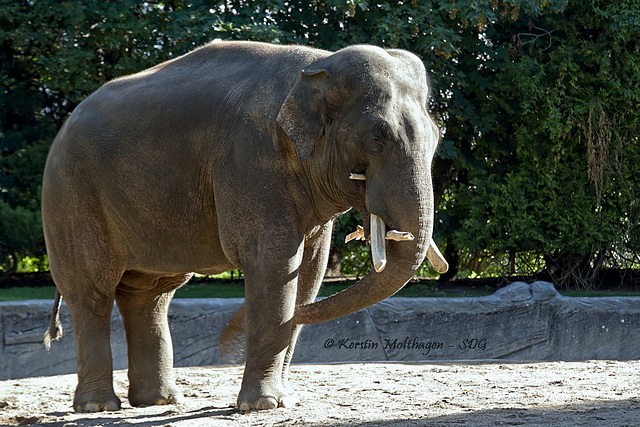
220 76
193 101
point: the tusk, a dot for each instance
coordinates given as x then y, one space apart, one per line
377 243
357 235
399 236
357 176
436 258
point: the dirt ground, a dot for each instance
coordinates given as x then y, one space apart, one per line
592 393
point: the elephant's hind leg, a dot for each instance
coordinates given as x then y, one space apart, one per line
92 326
143 303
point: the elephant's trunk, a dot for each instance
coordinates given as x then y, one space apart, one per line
403 259
391 272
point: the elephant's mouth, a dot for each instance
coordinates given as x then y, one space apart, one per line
379 235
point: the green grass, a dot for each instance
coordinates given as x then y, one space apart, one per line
192 290
600 294
19 294
235 289
211 290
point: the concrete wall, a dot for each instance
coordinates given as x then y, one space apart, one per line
522 322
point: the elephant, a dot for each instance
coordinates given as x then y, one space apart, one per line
236 155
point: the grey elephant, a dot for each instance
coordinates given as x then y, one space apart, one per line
237 155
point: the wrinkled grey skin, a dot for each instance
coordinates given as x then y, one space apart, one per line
236 155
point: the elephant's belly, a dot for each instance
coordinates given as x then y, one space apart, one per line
175 251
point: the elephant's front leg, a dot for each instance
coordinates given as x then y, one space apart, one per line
312 270
270 293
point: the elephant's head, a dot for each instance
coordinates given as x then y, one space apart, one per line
359 121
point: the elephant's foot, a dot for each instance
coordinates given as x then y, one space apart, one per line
88 403
293 397
265 399
292 400
268 402
150 397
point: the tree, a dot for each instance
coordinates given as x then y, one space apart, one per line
550 180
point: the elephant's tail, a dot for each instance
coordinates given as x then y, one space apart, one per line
230 343
54 333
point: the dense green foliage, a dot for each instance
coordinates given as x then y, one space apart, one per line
550 179
538 101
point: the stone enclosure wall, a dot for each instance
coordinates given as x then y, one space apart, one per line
521 322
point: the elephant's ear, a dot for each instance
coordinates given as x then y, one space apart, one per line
303 114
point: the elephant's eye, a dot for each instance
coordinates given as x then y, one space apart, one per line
375 143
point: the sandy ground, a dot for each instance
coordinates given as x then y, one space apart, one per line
593 393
